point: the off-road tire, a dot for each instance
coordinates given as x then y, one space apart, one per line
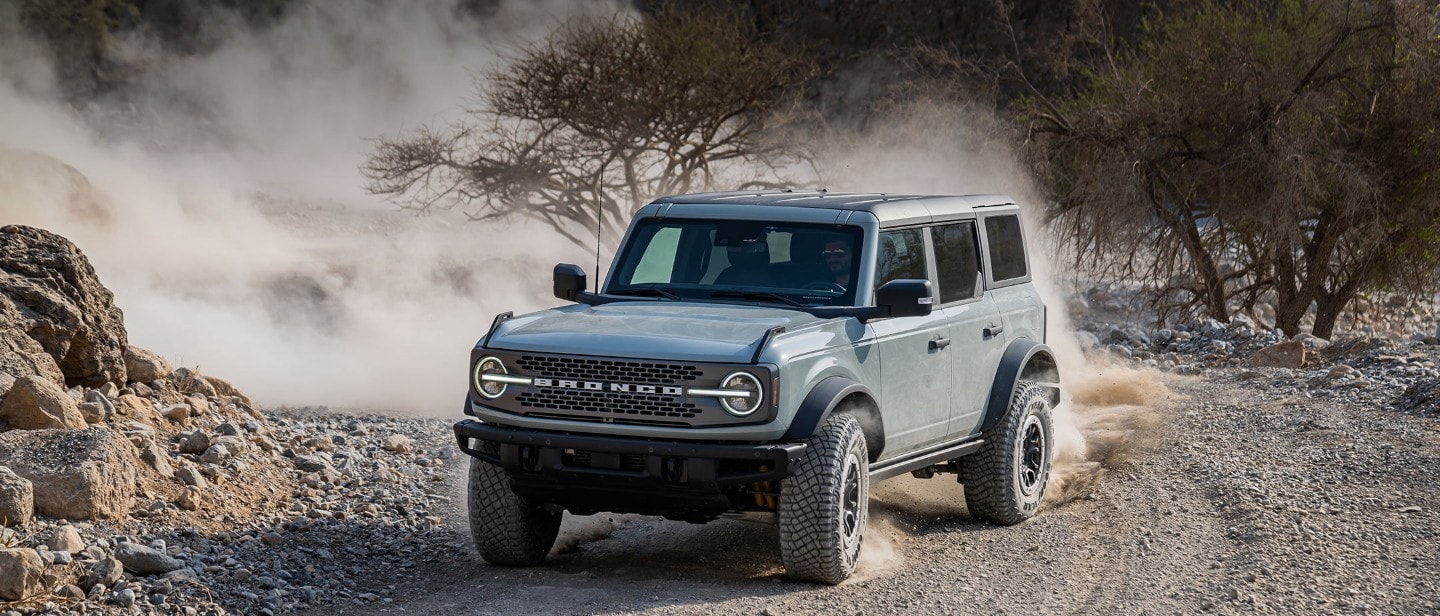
824 504
1002 483
508 529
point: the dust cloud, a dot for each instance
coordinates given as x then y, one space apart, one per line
220 200
576 530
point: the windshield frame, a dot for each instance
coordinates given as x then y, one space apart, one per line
638 237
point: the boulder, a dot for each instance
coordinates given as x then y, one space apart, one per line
189 499
35 403
1288 354
142 366
77 474
192 476
134 407
71 315
66 539
20 571
178 413
20 355
17 498
143 560
93 413
195 441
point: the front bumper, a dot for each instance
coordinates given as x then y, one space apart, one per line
590 473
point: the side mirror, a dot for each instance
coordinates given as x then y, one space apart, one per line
569 281
905 298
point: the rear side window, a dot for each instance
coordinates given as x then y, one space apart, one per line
958 261
1007 248
902 256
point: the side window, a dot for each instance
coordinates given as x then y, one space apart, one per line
957 260
902 255
1007 248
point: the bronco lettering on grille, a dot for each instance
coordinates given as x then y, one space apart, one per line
626 388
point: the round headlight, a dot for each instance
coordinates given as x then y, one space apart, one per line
741 406
490 390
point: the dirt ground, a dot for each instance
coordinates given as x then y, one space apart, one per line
1239 503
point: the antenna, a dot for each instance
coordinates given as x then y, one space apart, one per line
600 202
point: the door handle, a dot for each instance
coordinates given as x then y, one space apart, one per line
939 344
993 330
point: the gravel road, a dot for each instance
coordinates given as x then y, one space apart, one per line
1244 498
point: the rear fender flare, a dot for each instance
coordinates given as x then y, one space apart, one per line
1023 359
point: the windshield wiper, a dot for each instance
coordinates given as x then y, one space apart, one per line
646 291
758 295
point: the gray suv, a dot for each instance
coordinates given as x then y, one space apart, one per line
769 354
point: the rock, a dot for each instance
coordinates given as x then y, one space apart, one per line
233 444
95 396
191 476
142 366
72 315
71 592
1311 341
178 413
125 597
105 572
35 403
225 389
66 539
1341 371
17 498
1409 509
143 560
198 406
130 405
313 464
20 572
1288 354
189 499
152 455
21 355
77 474
195 441
109 390
397 443
215 454
272 539
190 382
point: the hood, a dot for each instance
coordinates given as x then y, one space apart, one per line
650 329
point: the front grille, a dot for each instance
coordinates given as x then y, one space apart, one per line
585 369
645 405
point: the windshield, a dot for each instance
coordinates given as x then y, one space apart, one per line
777 262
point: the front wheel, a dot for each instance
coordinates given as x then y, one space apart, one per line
824 505
1005 480
508 529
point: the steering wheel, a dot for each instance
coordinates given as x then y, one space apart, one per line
822 285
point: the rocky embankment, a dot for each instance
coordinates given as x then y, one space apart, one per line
129 485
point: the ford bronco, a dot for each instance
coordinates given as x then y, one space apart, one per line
769 354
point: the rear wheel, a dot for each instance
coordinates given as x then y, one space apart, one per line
1005 480
824 506
508 529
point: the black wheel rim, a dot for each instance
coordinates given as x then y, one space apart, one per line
850 506
1032 456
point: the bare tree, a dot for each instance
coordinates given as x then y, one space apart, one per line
603 116
1256 146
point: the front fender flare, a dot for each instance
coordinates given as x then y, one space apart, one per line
820 402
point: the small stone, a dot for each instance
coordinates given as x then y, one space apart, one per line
157 459
70 591
312 464
92 412
397 443
1288 354
1410 509
272 539
241 575
105 572
199 406
178 413
144 560
125 598
189 499
66 539
195 441
228 429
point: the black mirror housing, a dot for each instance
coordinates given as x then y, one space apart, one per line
906 298
569 281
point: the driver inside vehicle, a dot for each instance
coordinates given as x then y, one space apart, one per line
838 255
